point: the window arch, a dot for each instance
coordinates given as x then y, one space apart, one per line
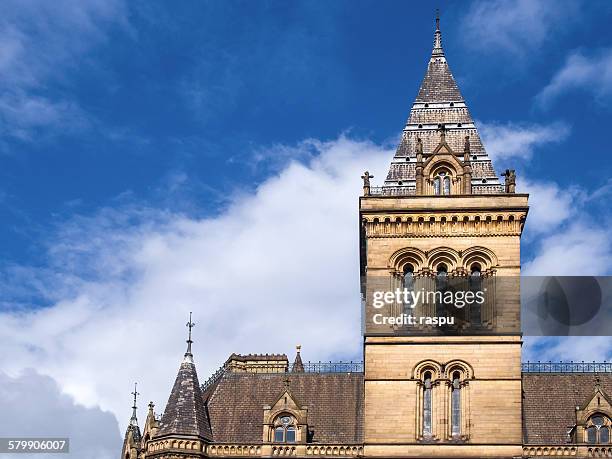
441 276
456 404
475 277
427 404
597 429
408 276
442 182
285 429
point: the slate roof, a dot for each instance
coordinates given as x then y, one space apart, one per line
439 102
185 412
550 400
334 400
439 84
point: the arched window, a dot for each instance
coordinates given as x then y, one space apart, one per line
475 277
285 429
598 429
441 276
456 404
442 183
408 284
409 277
427 428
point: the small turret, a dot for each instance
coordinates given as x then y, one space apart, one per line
185 416
132 441
298 365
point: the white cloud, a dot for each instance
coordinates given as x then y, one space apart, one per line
549 205
279 267
569 348
511 140
578 249
591 74
39 42
34 406
518 27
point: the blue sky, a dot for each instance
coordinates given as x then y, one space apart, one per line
153 156
149 92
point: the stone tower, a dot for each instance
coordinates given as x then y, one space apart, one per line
442 215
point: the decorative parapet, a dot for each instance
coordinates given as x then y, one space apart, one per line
534 451
284 450
411 190
233 450
335 450
295 450
392 191
173 445
599 451
567 450
448 224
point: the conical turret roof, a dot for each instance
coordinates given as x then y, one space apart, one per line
185 412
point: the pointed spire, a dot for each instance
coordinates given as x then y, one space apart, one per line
185 412
134 419
188 354
298 365
437 48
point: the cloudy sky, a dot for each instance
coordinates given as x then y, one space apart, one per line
161 158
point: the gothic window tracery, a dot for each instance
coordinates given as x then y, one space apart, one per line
442 183
598 429
285 429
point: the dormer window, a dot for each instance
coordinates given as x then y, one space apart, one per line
598 429
285 429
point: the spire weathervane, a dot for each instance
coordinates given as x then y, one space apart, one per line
134 419
189 325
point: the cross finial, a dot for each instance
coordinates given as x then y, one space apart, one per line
190 325
287 382
134 420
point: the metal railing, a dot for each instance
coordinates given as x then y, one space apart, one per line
308 367
333 367
566 367
357 367
392 191
214 377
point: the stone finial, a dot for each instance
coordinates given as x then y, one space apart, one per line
437 47
442 129
366 183
510 176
